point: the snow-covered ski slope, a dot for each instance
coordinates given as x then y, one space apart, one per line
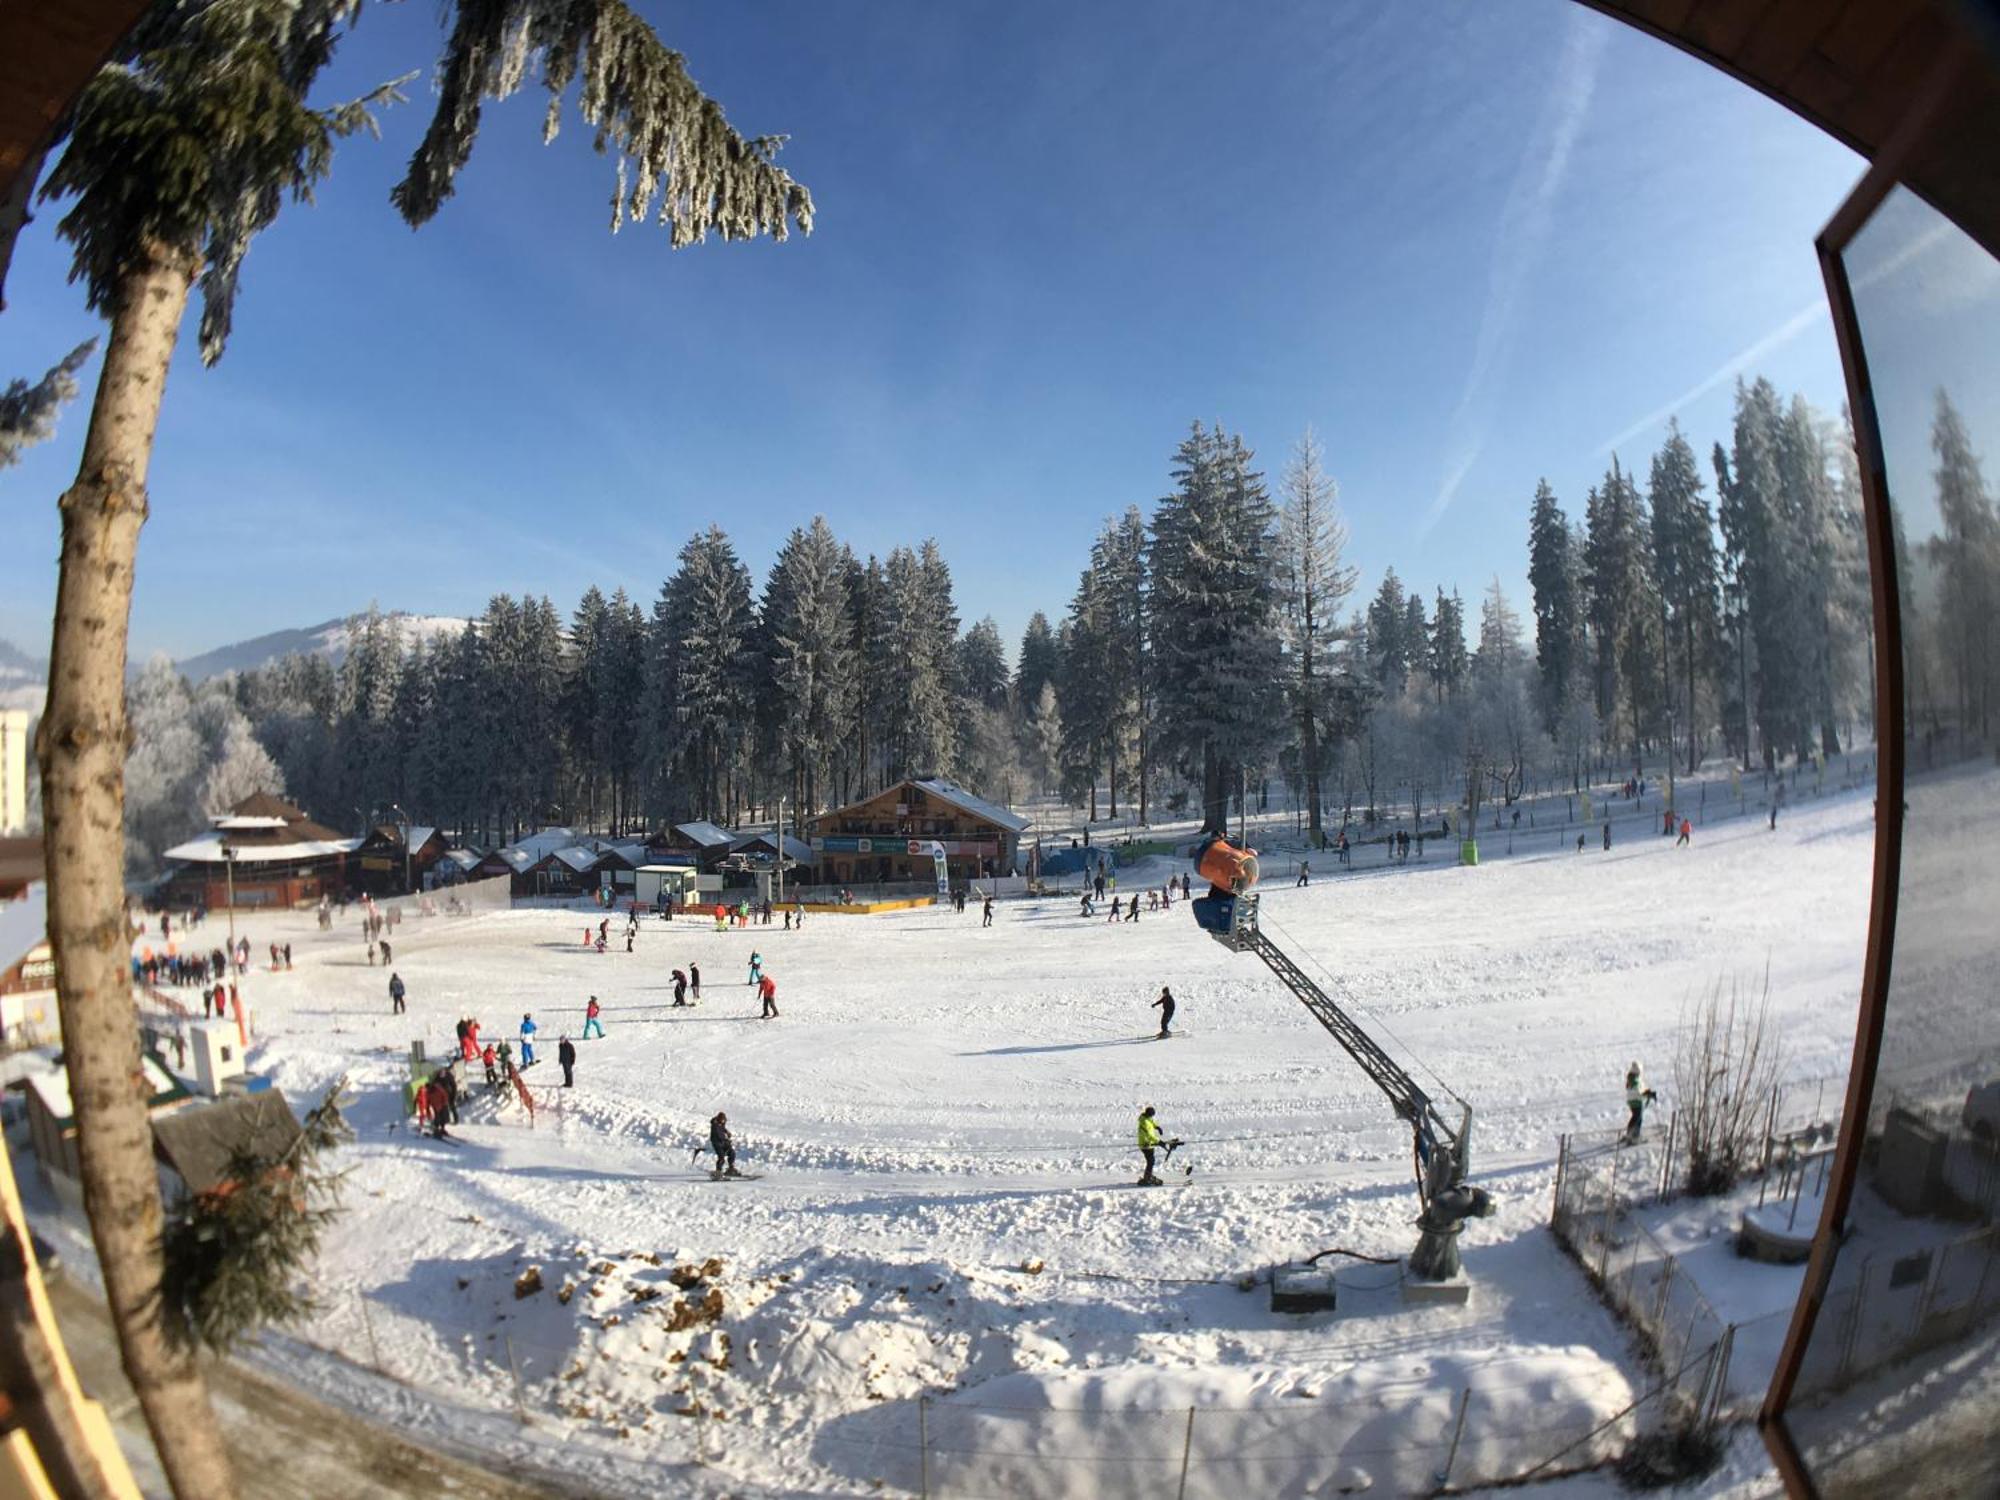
940 1104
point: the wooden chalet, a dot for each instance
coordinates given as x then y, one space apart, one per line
281 858
887 837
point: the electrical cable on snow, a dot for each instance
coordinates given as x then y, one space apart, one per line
1347 998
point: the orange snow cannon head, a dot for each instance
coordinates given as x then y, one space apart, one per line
1225 866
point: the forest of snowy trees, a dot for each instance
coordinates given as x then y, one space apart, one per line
1213 648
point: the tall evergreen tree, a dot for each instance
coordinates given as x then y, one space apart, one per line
916 634
1214 565
811 656
1810 522
584 671
1388 654
1448 662
1315 581
982 665
697 687
1756 535
1684 562
1558 617
1038 665
1966 551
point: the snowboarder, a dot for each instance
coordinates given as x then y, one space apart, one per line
769 990
694 980
986 917
566 1055
723 1147
1149 1145
756 968
590 1019
680 988
1687 832
1637 1097
396 992
1165 1006
527 1040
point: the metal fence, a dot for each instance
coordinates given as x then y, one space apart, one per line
1597 1187
1902 1305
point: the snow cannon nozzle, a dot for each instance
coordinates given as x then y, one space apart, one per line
1229 869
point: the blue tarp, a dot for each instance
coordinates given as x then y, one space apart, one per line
1075 861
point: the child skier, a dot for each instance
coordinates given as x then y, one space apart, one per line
1637 1097
986 920
756 968
680 988
590 1019
694 980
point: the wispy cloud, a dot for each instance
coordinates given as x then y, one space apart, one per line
1812 315
1525 221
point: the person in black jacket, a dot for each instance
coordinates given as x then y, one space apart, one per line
566 1055
723 1147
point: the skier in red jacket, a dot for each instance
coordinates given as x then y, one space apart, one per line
768 988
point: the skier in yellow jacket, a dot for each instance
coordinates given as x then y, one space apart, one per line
1149 1145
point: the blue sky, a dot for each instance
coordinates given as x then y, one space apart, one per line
1470 244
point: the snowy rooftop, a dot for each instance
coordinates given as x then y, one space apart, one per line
465 859
53 1088
539 844
578 858
23 925
704 834
234 823
973 803
206 849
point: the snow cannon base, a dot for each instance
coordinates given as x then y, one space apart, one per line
1455 1291
1302 1288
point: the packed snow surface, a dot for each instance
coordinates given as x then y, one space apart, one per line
943 1116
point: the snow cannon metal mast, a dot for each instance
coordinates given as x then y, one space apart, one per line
1228 913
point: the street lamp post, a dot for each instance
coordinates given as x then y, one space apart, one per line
394 808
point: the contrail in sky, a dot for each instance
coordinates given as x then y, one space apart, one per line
1524 229
1811 315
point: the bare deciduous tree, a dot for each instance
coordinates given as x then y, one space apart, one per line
1725 1066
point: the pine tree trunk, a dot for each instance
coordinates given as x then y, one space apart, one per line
1214 792
82 754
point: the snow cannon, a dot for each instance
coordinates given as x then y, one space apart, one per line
1230 872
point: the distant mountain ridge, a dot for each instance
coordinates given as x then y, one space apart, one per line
329 640
24 679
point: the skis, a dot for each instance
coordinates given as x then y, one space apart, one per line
735 1176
